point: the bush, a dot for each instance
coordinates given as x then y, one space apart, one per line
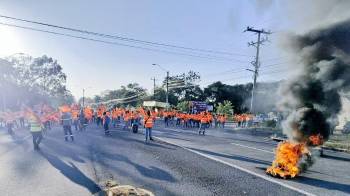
270 123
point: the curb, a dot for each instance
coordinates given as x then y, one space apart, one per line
279 139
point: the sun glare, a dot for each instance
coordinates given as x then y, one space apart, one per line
9 41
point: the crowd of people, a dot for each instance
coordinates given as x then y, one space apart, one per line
39 119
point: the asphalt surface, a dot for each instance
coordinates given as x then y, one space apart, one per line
254 151
186 168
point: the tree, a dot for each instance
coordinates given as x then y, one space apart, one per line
41 73
184 86
130 95
224 108
183 106
160 95
30 81
237 94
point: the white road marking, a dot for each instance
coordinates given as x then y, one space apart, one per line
265 177
253 148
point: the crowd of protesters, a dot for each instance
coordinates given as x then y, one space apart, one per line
40 119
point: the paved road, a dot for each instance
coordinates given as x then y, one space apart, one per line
253 151
66 168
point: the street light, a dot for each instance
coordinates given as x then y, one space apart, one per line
167 84
84 96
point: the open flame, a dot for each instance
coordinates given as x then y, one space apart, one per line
316 140
288 156
286 163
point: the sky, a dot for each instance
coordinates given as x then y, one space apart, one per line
211 25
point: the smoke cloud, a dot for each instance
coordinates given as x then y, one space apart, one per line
312 100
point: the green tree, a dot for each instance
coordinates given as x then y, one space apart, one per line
238 95
27 80
42 73
160 95
184 86
130 95
183 106
224 108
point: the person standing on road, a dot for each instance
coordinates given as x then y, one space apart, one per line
106 121
204 123
36 128
66 121
148 124
82 120
9 126
75 117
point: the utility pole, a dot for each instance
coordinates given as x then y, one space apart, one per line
154 86
256 63
3 102
83 97
167 84
167 90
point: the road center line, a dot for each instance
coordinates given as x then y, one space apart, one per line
265 177
252 148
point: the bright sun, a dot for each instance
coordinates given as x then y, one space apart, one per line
9 41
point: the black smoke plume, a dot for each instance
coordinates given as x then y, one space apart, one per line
312 99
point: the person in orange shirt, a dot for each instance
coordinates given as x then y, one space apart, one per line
223 121
166 118
114 117
99 116
203 123
148 123
126 119
105 121
75 119
210 119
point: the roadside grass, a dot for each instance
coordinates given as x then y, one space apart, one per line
339 141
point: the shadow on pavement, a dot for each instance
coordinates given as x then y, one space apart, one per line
151 172
235 157
324 184
72 173
67 151
129 139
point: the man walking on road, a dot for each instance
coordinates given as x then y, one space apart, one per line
36 128
66 121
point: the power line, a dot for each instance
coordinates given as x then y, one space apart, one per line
272 65
272 72
120 44
237 71
230 71
273 59
124 38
